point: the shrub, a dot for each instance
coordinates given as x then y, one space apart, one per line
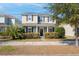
20 36
51 35
29 35
2 33
5 37
21 30
60 31
36 35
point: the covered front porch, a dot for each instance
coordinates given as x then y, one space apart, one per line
41 30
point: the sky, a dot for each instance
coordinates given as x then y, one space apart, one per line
16 9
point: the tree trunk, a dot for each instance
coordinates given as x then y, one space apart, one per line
76 41
76 37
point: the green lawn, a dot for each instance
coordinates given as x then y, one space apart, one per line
35 40
7 48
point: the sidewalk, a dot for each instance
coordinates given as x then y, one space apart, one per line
14 43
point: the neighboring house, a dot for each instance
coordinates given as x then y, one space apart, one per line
6 20
43 23
69 30
38 23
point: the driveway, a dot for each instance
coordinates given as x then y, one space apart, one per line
14 43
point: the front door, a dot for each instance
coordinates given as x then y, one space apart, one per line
41 32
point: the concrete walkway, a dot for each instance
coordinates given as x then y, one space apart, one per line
14 43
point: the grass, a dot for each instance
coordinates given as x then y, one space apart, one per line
39 50
7 48
26 40
36 40
23 40
32 40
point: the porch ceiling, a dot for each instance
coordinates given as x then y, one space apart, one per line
41 24
2 25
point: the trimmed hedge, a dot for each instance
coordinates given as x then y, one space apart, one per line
51 35
5 37
20 36
2 34
29 36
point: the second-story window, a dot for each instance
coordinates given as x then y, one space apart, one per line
41 18
49 19
8 21
29 17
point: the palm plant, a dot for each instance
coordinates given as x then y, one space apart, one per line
66 13
12 31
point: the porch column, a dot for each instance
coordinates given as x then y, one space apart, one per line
5 28
36 29
25 29
47 29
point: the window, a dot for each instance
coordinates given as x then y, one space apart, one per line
8 21
51 29
29 17
49 19
41 18
29 29
1 29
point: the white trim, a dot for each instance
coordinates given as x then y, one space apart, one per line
36 29
25 29
47 29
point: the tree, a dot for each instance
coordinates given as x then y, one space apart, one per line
60 31
66 13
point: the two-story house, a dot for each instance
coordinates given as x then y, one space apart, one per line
42 23
6 20
38 23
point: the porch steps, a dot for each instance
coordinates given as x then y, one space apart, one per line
42 38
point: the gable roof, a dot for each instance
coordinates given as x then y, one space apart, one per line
7 16
32 13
